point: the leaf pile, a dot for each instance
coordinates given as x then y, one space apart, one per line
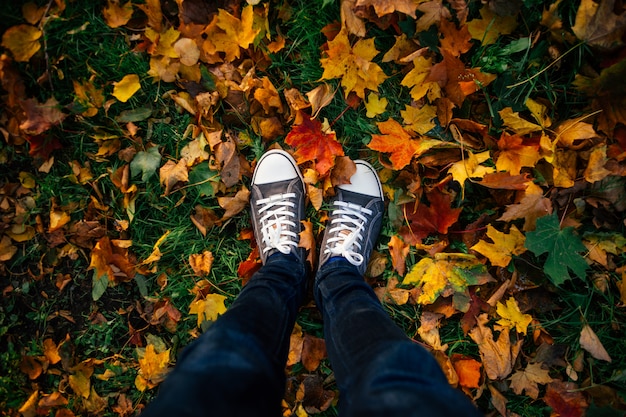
498 129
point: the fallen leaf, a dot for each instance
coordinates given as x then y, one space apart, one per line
468 370
596 170
172 173
209 308
515 152
527 380
125 88
22 41
152 9
385 7
51 351
490 26
562 247
31 367
187 51
398 251
566 399
513 121
470 167
234 205
352 64
375 105
313 144
504 245
295 345
433 12
591 343
532 205
498 356
228 34
145 163
313 351
153 367
41 116
429 330
201 263
598 25
7 249
116 14
512 317
423 220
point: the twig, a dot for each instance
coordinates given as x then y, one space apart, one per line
42 23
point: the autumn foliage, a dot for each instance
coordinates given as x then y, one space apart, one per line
498 130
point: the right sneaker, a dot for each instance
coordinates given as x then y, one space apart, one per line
277 205
355 219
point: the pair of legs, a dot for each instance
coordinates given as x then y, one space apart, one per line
237 367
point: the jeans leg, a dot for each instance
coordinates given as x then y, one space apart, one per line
379 370
236 368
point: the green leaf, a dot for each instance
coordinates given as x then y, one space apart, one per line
562 247
145 163
100 284
204 180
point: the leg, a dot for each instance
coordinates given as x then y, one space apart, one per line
236 368
379 370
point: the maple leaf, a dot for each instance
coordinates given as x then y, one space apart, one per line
455 41
116 14
416 78
352 64
111 264
152 9
429 330
384 7
234 205
399 251
512 317
503 247
424 219
126 87
514 154
433 12
228 34
307 241
513 121
531 206
528 380
88 97
598 25
22 41
145 163
498 356
172 173
375 105
562 247
313 351
470 167
209 308
313 144
394 139
490 26
595 170
153 367
420 120
445 275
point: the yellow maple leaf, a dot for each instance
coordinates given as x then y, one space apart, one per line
515 154
503 247
126 87
22 41
595 170
209 308
153 367
513 121
512 317
490 26
201 263
227 33
89 96
470 167
415 79
352 64
419 120
375 105
539 112
445 274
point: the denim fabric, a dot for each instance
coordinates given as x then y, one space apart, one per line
236 368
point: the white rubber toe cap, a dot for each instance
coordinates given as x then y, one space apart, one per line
364 181
275 166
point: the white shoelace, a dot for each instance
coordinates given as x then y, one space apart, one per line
348 227
275 221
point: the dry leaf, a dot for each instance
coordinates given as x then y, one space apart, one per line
528 380
201 263
126 87
591 343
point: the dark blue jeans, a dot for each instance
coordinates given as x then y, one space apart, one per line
237 367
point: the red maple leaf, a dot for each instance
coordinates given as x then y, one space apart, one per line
41 146
312 144
425 219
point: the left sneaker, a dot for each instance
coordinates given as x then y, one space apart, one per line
277 205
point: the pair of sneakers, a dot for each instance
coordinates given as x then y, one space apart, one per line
277 207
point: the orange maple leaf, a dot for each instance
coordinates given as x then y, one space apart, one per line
313 144
516 152
399 143
352 64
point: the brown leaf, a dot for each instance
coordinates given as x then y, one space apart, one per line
51 351
399 251
172 173
528 380
233 205
204 219
22 41
498 356
429 330
307 241
41 116
31 367
56 399
598 25
313 351
296 343
342 171
228 160
116 14
591 343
